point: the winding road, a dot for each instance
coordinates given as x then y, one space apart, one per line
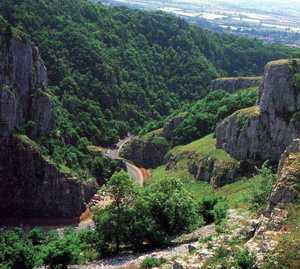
134 171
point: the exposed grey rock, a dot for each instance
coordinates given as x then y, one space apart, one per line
216 172
8 111
30 185
178 265
147 152
192 248
277 94
33 187
285 190
234 84
42 115
263 132
172 124
22 75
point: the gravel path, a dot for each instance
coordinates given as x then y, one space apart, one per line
126 261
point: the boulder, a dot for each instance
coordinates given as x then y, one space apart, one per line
264 131
234 84
178 265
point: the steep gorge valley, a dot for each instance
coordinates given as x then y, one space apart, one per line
209 122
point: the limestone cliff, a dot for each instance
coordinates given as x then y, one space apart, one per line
263 132
30 186
286 189
23 77
234 84
172 124
205 162
148 152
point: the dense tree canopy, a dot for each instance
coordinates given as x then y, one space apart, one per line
115 69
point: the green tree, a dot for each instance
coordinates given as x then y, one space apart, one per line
113 222
16 251
172 208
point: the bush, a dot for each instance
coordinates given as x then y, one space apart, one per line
261 192
16 251
172 207
220 211
60 251
157 213
151 262
244 260
213 209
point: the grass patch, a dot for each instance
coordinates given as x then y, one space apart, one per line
25 140
95 149
238 193
205 146
196 188
157 132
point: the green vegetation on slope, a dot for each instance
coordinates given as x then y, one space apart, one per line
287 253
115 69
205 146
201 118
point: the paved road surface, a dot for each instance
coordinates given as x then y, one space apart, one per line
134 171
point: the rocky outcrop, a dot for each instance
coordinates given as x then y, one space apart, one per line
30 185
234 84
206 168
217 173
172 124
147 152
263 132
23 77
287 189
33 187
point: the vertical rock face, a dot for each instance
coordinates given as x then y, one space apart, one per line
234 84
146 152
286 188
30 185
33 187
22 77
263 132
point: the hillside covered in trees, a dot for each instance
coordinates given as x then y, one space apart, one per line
114 69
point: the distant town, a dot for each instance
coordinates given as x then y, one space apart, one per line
276 25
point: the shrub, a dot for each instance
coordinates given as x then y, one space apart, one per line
213 209
261 192
16 251
220 211
172 207
151 262
60 251
157 213
244 260
36 236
